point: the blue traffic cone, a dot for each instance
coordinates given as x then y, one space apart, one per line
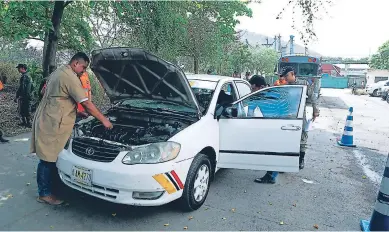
380 218
347 137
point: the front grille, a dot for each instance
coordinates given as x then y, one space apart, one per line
94 189
95 150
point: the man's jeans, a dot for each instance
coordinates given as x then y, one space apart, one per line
45 177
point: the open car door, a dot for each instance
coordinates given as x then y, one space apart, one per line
262 131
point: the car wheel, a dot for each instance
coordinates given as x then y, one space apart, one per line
375 93
197 183
387 99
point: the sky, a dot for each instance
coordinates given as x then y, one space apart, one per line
352 28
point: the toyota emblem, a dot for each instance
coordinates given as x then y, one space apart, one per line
89 151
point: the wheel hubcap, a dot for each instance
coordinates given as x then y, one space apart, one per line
201 183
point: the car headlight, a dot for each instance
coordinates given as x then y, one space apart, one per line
152 153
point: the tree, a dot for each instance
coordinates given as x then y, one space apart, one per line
170 29
263 60
380 60
210 28
42 21
310 10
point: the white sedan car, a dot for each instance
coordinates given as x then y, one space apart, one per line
172 132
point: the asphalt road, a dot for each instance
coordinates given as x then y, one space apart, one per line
337 188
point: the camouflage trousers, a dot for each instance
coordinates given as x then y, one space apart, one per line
304 138
303 141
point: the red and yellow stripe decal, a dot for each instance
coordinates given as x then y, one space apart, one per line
169 181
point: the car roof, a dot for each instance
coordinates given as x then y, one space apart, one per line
214 78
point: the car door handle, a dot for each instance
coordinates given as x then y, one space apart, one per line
291 127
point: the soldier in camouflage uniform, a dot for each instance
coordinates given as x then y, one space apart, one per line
23 96
289 74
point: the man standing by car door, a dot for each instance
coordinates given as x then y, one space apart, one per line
289 75
55 118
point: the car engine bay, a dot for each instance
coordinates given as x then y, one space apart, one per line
134 128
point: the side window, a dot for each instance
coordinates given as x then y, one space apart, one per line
227 94
277 102
243 88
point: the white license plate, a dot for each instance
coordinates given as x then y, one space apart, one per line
82 175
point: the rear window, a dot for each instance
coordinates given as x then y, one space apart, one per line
302 69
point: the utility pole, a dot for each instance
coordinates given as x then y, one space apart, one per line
267 44
275 43
291 45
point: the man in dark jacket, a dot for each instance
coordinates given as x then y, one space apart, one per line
23 95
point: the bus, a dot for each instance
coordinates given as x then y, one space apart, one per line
307 68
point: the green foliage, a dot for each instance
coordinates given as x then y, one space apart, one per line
341 60
20 20
263 60
9 74
36 74
380 60
310 11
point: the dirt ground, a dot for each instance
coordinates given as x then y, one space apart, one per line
9 117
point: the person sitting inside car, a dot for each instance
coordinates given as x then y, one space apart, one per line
224 98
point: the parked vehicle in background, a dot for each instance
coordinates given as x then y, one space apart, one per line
308 68
383 92
387 98
373 89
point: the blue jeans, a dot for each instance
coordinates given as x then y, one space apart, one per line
45 173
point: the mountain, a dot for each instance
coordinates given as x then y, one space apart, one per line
254 39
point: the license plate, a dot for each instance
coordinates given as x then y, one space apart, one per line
82 175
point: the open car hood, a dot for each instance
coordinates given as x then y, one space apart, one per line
128 73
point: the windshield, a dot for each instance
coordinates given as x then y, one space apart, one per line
158 105
303 69
203 90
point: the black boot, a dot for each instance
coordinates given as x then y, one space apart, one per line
3 140
302 163
266 179
23 122
28 122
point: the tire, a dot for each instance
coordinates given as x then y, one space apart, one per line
375 93
387 99
200 166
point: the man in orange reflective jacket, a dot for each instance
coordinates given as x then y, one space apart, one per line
280 81
81 113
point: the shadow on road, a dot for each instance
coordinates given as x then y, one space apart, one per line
332 103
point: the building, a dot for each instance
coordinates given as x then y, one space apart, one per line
376 75
356 73
331 70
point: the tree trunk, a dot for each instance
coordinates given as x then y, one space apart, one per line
196 65
49 63
46 41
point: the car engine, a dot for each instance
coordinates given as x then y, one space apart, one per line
134 129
